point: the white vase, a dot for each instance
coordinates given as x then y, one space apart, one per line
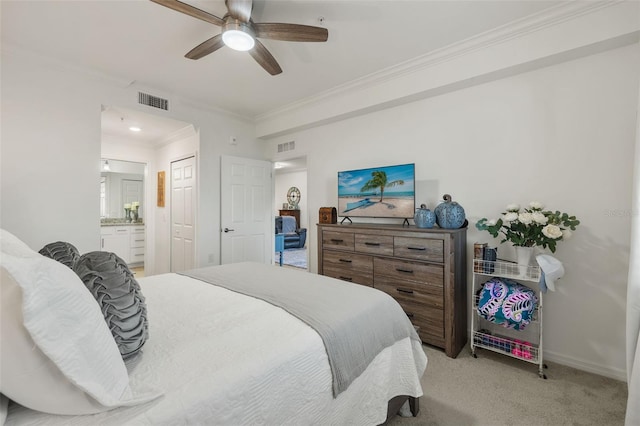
523 256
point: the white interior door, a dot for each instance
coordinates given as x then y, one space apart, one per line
183 190
245 210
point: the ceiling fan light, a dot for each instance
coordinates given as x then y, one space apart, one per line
238 40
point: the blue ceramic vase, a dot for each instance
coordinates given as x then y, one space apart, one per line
424 218
449 214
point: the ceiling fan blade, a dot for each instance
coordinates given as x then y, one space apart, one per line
204 48
191 11
291 32
240 9
265 59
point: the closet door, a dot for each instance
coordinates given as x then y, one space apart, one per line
183 205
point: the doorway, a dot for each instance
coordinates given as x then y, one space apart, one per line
291 178
122 203
156 141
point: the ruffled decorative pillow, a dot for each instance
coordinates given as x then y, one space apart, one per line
57 354
113 285
63 252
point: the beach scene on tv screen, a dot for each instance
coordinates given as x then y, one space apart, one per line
377 192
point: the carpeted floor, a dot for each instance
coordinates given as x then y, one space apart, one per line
496 390
294 257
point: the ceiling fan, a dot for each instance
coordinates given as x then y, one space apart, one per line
240 32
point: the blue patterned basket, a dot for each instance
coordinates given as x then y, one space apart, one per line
507 303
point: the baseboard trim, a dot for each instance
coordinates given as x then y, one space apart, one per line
613 373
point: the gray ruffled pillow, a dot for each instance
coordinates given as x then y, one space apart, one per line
118 293
63 252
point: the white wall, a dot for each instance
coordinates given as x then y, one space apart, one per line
51 151
50 164
284 181
562 135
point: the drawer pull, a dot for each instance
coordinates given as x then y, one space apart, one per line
371 244
406 271
139 241
336 240
417 248
409 314
346 260
404 290
346 278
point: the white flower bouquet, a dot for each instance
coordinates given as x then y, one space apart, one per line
531 226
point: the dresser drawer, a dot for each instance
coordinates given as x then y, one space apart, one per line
343 240
425 294
356 268
419 248
424 274
374 244
430 321
349 276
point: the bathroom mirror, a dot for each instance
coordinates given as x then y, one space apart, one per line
121 182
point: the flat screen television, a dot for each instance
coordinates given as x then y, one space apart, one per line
382 192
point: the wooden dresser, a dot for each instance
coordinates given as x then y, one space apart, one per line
294 213
423 269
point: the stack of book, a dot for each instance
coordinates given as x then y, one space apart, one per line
488 256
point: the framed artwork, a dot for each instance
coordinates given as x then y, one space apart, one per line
161 189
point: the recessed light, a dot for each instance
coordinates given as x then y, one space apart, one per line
135 129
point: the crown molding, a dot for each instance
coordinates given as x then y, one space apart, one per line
217 110
519 28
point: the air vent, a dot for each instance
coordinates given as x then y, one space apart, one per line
153 101
287 146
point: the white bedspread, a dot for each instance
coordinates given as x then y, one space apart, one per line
225 358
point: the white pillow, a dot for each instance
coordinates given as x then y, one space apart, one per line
59 355
10 244
27 376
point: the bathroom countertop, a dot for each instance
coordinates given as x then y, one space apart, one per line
122 223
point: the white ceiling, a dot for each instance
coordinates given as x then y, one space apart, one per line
154 130
138 40
291 165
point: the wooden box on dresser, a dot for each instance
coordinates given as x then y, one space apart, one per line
423 269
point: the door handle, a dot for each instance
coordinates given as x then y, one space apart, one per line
228 230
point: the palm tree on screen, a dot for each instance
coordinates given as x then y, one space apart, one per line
379 180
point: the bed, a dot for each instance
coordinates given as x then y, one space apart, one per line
218 356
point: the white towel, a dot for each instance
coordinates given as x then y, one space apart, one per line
552 270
